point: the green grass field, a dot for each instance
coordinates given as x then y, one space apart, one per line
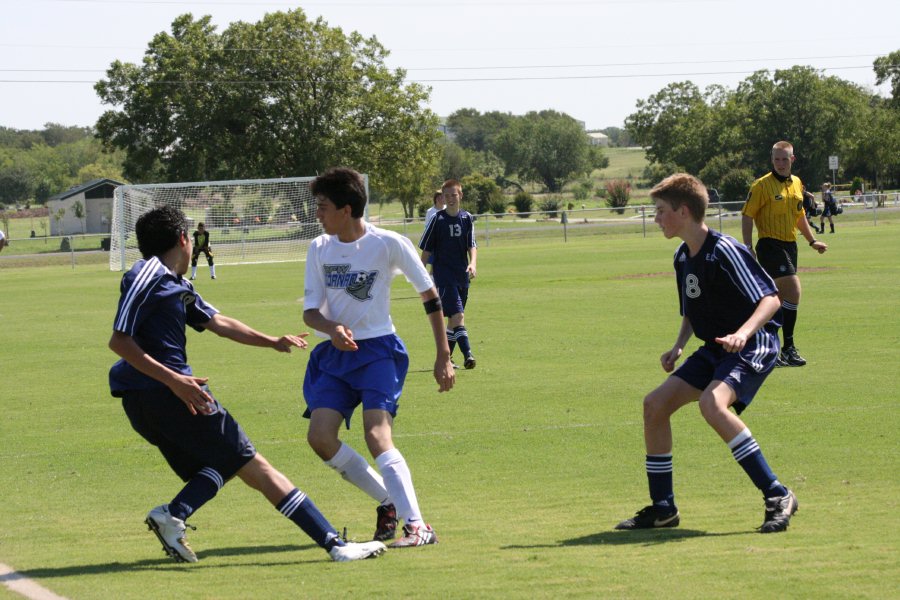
522 469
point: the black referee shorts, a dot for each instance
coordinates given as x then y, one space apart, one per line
778 258
188 442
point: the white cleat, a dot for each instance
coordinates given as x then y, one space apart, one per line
354 551
171 532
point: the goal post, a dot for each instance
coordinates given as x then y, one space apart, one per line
249 220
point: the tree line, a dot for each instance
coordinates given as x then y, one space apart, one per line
725 136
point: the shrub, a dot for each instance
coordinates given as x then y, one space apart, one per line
497 205
583 190
735 184
523 203
856 184
550 205
618 193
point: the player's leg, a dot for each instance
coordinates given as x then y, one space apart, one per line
260 475
449 303
737 381
397 479
789 294
659 406
210 262
195 254
454 303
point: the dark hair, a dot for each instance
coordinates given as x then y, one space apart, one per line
158 230
683 189
342 186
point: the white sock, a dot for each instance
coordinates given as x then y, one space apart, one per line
212 270
398 481
193 272
355 469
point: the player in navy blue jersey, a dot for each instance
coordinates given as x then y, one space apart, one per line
174 410
449 244
729 302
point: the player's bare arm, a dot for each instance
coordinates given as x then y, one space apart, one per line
473 259
186 387
669 358
765 310
425 256
443 368
341 336
242 333
747 233
806 231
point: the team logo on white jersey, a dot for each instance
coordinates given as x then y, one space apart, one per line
356 283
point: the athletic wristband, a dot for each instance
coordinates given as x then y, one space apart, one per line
813 242
432 305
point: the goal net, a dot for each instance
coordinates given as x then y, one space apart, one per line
249 221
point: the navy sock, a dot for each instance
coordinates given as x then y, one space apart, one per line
198 491
746 452
451 339
462 338
297 507
659 476
789 321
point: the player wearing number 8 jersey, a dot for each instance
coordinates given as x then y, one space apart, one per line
728 302
449 242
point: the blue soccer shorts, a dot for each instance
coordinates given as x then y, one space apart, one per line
372 376
715 364
453 299
188 442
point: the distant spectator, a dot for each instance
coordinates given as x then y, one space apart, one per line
811 209
3 241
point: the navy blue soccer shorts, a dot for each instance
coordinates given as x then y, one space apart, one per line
453 299
188 442
707 365
777 257
372 376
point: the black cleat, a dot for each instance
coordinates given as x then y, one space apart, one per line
779 511
386 524
791 357
652 517
469 362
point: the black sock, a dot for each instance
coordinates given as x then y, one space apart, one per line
789 321
197 492
462 338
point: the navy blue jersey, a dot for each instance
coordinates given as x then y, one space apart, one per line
448 239
720 287
154 307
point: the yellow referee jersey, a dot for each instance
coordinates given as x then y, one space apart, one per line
775 206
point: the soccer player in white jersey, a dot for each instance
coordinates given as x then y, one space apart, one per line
347 301
729 302
174 410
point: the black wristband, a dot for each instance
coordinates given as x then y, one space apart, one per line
813 242
432 305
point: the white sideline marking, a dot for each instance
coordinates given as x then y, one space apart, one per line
23 586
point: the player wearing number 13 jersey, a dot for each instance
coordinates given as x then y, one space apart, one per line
729 302
449 242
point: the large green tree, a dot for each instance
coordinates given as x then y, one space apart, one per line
285 96
549 147
887 68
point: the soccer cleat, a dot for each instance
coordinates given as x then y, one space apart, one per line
779 511
386 524
791 357
353 551
652 517
416 535
780 362
193 278
171 532
454 365
213 277
469 362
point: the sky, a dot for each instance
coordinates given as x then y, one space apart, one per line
591 59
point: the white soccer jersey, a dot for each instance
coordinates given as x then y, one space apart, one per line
351 283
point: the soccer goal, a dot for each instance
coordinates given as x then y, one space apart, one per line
249 221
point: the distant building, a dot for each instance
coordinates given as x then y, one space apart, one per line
598 138
97 198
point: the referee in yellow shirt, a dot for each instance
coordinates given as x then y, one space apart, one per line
775 205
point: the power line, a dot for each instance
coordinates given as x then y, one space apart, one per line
447 80
520 67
